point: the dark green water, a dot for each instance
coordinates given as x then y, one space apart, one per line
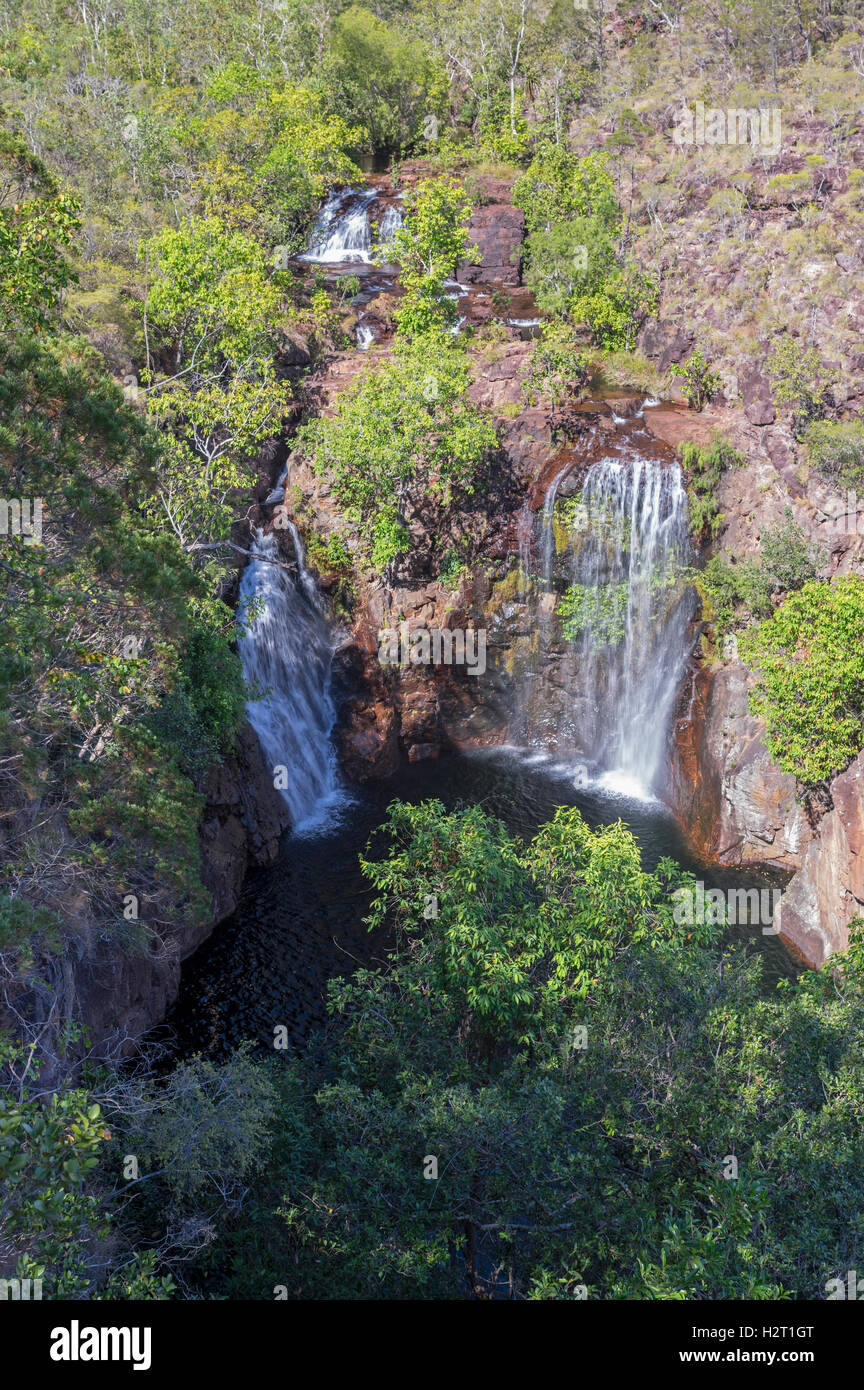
300 920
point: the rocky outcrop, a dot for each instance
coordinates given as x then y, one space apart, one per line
242 825
828 890
735 804
738 808
665 342
120 986
756 396
497 229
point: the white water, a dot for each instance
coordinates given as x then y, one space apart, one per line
389 224
597 687
286 653
633 639
342 231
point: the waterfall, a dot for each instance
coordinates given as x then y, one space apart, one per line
598 682
342 231
285 648
391 221
627 613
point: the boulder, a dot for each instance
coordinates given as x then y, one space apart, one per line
497 228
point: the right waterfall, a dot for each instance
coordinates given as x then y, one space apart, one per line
627 612
611 563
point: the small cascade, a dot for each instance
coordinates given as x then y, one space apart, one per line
286 651
388 226
342 233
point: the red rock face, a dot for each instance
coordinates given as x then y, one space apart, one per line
737 807
497 230
733 802
828 890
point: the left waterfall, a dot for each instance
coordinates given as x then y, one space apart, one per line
285 645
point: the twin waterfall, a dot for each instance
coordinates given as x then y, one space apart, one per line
603 590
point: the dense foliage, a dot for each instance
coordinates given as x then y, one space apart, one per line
810 662
404 437
581 1070
541 1092
574 262
704 467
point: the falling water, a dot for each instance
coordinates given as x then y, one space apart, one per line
342 231
286 651
629 611
391 221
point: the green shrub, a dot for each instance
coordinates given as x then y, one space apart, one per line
559 365
700 382
574 263
704 466
799 380
405 436
740 590
22 921
809 657
836 450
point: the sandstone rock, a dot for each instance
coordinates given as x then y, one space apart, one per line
828 890
665 342
497 229
756 395
733 802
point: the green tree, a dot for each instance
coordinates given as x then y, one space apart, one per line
543 1089
403 442
37 223
428 247
809 659
385 76
574 261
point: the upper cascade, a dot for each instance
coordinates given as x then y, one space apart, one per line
342 233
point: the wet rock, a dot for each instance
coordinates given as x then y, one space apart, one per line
422 752
243 822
